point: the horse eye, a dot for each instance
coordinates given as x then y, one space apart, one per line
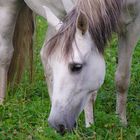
75 67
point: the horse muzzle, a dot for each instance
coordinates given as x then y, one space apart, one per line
62 123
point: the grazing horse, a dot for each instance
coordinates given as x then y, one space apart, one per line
73 58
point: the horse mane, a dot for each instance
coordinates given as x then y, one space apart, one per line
103 18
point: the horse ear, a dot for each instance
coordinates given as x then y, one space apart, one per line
52 19
82 23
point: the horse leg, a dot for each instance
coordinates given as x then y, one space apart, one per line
127 43
3 77
89 114
7 15
5 57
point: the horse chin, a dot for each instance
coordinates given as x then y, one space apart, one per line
63 118
62 125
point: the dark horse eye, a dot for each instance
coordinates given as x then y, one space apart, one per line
75 67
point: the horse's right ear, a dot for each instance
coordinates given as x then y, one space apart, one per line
52 19
82 23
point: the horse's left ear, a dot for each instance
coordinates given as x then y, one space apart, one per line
82 23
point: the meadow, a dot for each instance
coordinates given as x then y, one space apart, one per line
26 108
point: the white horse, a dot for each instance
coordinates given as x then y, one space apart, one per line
73 58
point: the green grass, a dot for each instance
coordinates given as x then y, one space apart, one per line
25 111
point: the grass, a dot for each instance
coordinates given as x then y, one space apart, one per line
25 111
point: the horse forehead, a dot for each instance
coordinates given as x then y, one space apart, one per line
82 45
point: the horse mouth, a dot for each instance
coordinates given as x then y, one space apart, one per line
62 130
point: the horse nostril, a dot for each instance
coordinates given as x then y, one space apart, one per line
61 128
